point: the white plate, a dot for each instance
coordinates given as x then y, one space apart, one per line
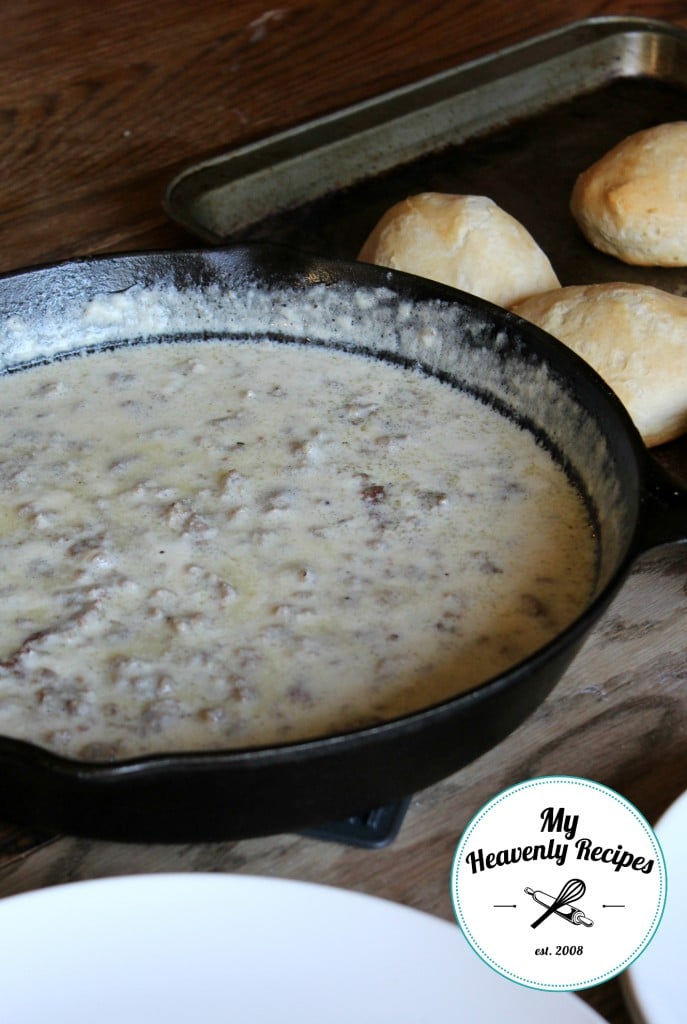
222 948
655 986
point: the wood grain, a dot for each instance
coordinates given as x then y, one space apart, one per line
100 105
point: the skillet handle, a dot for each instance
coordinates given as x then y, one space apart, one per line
664 512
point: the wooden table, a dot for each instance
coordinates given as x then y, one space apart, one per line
101 105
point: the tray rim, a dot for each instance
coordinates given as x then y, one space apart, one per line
277 151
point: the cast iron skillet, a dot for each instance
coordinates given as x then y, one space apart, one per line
218 795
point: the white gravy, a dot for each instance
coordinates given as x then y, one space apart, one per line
207 545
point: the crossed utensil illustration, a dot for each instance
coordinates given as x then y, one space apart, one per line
562 905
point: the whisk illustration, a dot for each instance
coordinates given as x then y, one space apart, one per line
562 905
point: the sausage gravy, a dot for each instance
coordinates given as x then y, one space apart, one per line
213 544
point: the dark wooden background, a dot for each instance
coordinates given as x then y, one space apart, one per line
101 103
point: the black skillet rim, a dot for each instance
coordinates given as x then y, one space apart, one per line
290 267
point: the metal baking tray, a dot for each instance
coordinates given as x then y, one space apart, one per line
518 126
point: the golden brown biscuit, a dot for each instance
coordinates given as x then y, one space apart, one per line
467 242
632 203
635 337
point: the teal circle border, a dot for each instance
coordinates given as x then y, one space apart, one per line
530 784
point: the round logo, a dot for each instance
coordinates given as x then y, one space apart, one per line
558 883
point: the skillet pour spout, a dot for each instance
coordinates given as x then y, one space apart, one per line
272 292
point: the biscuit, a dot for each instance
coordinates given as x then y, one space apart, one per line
467 242
632 203
635 337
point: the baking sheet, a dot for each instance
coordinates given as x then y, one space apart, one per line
518 126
